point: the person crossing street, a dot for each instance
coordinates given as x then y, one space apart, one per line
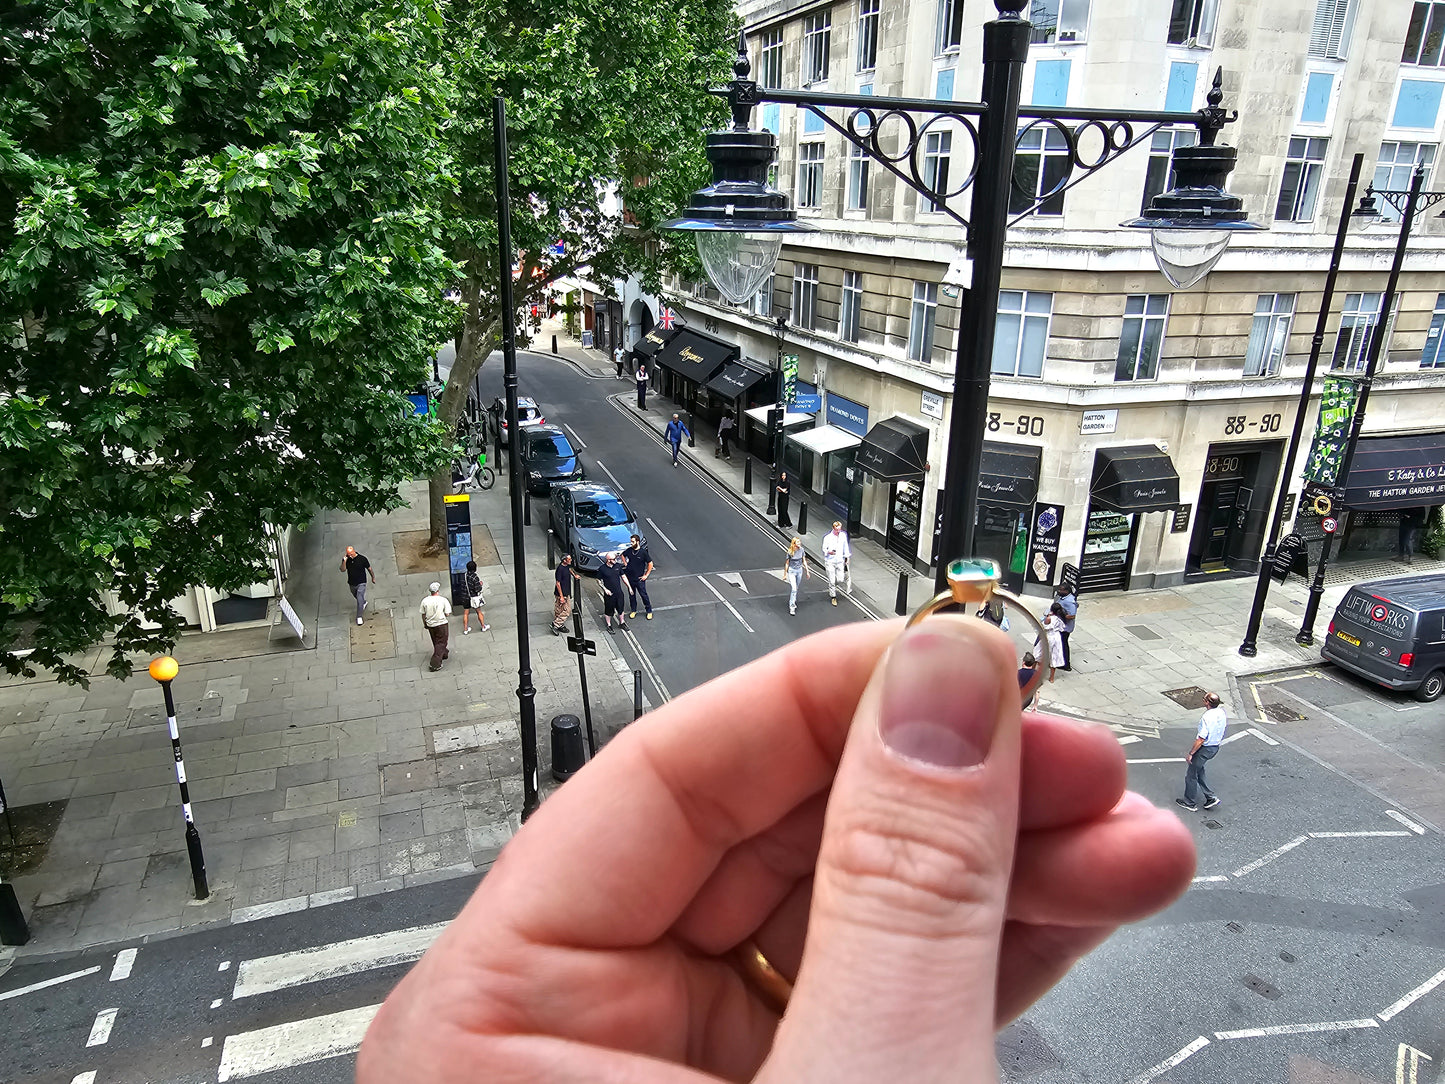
674 433
836 555
1212 725
795 568
638 568
610 576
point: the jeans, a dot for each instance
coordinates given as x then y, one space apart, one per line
795 581
1194 775
836 577
676 447
358 592
635 587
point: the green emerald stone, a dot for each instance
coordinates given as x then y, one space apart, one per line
974 568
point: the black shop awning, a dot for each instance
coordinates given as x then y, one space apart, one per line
1137 478
648 346
736 380
695 355
1009 474
895 450
1397 472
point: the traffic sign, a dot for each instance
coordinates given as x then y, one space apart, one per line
1329 525
579 645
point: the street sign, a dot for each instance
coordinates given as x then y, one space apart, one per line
580 645
1329 525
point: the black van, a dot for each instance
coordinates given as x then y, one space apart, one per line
1393 633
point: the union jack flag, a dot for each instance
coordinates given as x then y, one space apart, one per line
668 318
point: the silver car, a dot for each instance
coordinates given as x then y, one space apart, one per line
590 521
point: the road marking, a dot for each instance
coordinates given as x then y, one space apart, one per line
1239 734
1262 736
8 994
660 535
87 1077
1208 880
1355 835
1129 739
218 1002
1297 1029
1412 997
731 608
269 910
100 1030
1258 703
580 442
124 961
734 578
1406 821
1258 862
225 965
1157 760
269 973
603 467
1407 1064
1171 1061
207 1041
298 1042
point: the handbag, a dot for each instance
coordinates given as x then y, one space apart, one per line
475 602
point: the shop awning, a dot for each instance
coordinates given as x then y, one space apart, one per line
791 420
1397 472
825 439
1136 478
737 380
895 450
695 355
1009 474
648 346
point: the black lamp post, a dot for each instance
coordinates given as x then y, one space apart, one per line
776 414
741 221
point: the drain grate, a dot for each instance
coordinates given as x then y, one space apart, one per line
1282 713
1234 927
375 640
1144 632
1261 987
1187 697
1213 824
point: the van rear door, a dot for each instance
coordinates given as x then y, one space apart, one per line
1372 632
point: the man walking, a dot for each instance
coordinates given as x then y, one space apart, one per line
836 553
674 434
1066 598
1212 725
435 610
357 568
619 356
641 386
725 435
562 595
610 575
639 567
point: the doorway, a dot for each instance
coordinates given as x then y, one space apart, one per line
1108 557
1234 498
905 506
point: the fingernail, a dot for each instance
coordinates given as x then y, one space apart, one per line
940 697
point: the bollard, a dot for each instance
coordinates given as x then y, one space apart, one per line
691 427
554 344
567 754
526 506
900 607
164 670
747 473
803 518
13 928
551 549
636 695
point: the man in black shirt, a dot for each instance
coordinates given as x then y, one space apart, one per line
639 567
611 576
357 567
562 595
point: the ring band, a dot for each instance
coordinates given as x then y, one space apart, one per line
763 976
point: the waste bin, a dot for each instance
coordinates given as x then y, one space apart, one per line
567 749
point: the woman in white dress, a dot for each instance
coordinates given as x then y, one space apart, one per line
1053 629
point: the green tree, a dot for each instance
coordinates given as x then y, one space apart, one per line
595 91
220 271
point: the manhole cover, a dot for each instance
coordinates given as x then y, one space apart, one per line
1234 927
1188 697
1213 824
1023 1053
1261 987
1144 632
1282 713
375 639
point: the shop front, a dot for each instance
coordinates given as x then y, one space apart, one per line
824 458
1234 499
690 359
644 351
1128 483
1008 482
895 452
1392 485
740 386
836 476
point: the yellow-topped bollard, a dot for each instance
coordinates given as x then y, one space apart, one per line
164 668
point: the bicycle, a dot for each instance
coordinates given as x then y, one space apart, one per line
480 476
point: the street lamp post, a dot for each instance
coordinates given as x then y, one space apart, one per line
776 414
164 670
740 221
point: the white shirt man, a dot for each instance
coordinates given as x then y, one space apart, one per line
1212 725
836 552
434 613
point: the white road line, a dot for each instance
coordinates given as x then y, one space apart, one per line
8 994
1129 739
225 965
87 1077
218 1002
298 1042
100 1030
603 467
1355 835
1171 1061
207 1041
1209 880
1406 821
1258 862
270 973
1412 997
1407 1064
579 440
1297 1029
1236 736
1262 736
124 961
660 535
731 608
1157 760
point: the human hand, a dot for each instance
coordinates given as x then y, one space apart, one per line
920 902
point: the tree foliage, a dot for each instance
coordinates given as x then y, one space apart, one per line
220 270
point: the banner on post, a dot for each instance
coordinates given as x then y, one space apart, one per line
790 379
1332 430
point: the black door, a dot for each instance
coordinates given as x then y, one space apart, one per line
1221 524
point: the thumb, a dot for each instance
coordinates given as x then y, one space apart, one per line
900 963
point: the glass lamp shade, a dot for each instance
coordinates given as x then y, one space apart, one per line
738 264
1186 255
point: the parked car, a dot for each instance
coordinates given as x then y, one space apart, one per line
529 416
1392 632
545 455
589 521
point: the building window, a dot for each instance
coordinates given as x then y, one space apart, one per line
1041 164
950 26
805 295
857 178
1162 146
1357 324
1426 33
922 321
1330 32
1303 170
1396 165
1058 20
1021 332
810 174
770 58
817 37
1269 334
851 311
937 146
1143 339
1191 22
868 34
763 299
1431 357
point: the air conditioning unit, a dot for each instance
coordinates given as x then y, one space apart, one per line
1068 35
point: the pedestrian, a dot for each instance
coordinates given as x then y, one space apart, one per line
992 612
674 434
610 575
435 612
475 601
794 569
784 488
725 435
1053 630
638 568
562 595
1065 597
1411 520
1212 725
836 555
619 357
1026 675
357 568
641 386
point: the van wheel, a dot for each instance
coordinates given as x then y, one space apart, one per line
1431 688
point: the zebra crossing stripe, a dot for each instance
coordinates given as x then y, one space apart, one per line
268 973
298 1042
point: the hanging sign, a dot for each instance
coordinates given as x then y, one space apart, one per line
790 379
1332 431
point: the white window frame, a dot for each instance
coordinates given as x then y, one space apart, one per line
762 301
1152 315
1310 178
1434 17
1201 18
1397 172
1358 318
857 178
850 310
1162 145
937 153
922 322
949 34
805 296
1431 356
868 24
817 44
770 58
1269 334
811 156
1331 28
1070 21
1023 306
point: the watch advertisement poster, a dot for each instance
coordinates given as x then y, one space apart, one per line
1044 536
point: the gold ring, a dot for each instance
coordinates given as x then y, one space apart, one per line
976 581
764 977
